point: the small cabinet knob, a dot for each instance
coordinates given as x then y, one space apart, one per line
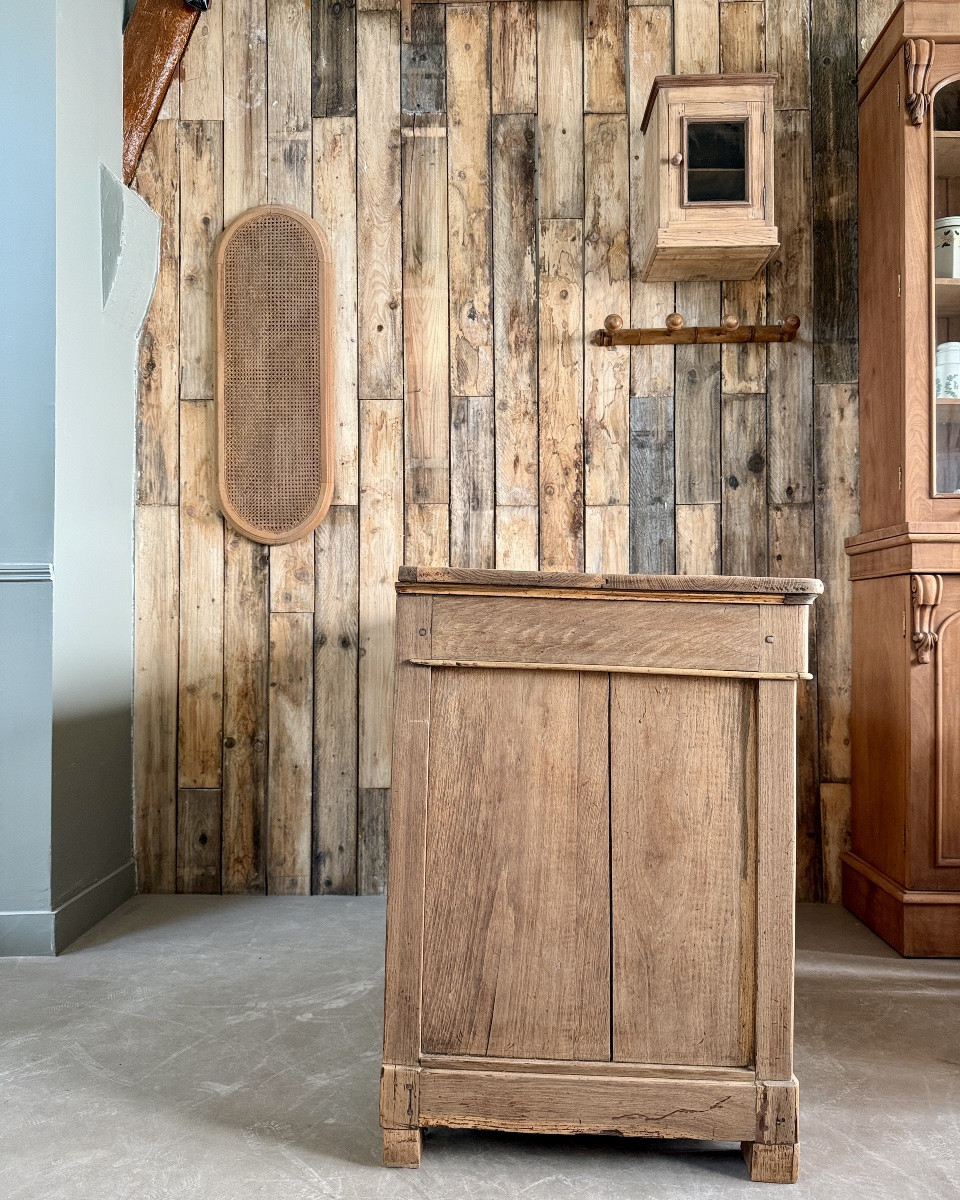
677 159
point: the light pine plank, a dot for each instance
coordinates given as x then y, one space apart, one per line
378 206
515 310
790 368
696 36
697 411
605 58
201 602
606 289
158 411
335 702
426 333
607 538
289 112
157 571
470 200
198 841
290 770
201 69
698 539
472 482
518 537
836 518
334 55
513 42
292 576
335 208
652 497
651 53
245 645
201 220
788 53
381 549
244 106
561 392
560 109
426 535
743 515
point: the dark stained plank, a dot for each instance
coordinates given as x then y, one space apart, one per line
334 56
423 62
471 481
198 841
652 507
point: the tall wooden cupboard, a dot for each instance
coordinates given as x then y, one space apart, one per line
592 861
902 876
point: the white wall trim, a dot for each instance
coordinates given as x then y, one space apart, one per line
26 572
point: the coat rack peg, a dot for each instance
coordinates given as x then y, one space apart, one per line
676 333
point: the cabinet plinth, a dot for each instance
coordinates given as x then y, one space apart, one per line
591 879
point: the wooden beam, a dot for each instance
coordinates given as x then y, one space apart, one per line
153 44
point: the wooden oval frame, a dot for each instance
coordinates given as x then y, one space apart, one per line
325 336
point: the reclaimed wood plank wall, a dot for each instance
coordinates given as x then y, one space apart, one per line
481 189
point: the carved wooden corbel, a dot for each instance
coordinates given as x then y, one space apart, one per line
918 54
925 592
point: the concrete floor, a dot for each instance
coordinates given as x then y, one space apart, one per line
225 1048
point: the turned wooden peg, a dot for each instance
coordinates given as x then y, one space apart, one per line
730 322
613 323
790 324
674 321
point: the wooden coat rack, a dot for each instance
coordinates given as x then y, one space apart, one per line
675 333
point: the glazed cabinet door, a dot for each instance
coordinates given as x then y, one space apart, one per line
516 938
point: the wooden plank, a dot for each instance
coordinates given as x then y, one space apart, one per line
518 537
776 880
244 106
153 44
836 518
671 937
423 62
405 896
560 109
871 16
788 53
835 806
742 48
335 665
334 58
696 36
201 602
583 1104
292 576
290 769
289 112
426 334
245 643
381 546
521 841
198 841
426 534
605 58
652 505
833 58
560 370
513 56
470 200
201 69
651 53
790 380
515 311
158 412
606 289
201 220
697 406
472 482
698 539
157 573
335 208
743 517
378 207
373 807
607 538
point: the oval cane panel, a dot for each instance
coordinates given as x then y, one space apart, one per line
274 386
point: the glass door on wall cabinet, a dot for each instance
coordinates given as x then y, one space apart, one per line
946 264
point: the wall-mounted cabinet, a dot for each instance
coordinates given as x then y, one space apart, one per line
708 192
903 875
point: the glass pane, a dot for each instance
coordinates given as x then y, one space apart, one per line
946 107
716 162
946 268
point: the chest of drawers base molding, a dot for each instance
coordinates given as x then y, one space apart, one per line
592 861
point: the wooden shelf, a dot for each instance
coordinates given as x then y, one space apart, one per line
948 297
946 161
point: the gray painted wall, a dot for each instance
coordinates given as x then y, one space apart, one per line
67 471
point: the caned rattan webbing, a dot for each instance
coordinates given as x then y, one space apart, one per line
274 382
